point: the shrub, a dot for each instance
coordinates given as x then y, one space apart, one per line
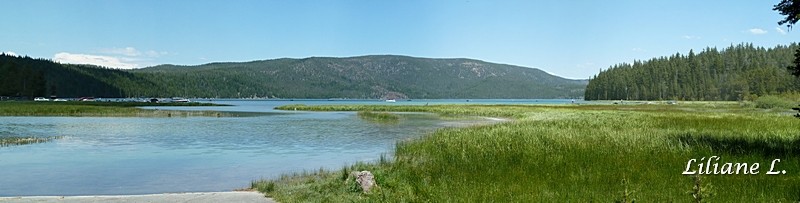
771 102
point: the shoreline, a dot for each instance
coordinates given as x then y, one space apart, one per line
200 197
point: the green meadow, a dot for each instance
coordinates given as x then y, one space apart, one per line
573 153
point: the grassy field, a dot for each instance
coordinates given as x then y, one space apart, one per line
110 109
573 153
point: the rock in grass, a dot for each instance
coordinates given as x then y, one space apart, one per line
365 179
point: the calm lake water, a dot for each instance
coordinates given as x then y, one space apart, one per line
195 154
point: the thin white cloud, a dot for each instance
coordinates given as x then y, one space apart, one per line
133 52
638 50
780 30
125 58
127 51
757 31
690 37
153 53
105 61
585 65
9 53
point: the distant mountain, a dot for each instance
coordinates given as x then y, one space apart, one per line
373 77
384 76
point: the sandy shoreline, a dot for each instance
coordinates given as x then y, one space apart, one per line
198 197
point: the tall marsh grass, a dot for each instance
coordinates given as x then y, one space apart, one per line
381 117
575 154
507 111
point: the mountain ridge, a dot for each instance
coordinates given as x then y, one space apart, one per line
396 73
357 77
346 57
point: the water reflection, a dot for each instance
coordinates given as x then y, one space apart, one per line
158 155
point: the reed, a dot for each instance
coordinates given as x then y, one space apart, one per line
381 117
574 153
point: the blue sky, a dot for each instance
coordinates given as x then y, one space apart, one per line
573 39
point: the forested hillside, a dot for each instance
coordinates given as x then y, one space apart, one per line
373 77
366 77
735 73
28 77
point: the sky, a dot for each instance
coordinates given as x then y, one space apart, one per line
571 39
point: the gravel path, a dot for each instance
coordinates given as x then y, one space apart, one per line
200 197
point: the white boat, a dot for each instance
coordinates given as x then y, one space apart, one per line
391 100
181 100
91 99
41 99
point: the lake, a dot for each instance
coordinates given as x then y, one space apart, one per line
132 155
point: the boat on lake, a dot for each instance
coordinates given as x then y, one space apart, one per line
391 100
87 99
181 100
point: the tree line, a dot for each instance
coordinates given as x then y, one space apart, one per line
25 77
735 73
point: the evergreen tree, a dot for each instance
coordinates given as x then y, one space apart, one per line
735 73
791 10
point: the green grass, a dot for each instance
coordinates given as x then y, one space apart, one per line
506 111
11 141
572 153
106 109
380 117
773 101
